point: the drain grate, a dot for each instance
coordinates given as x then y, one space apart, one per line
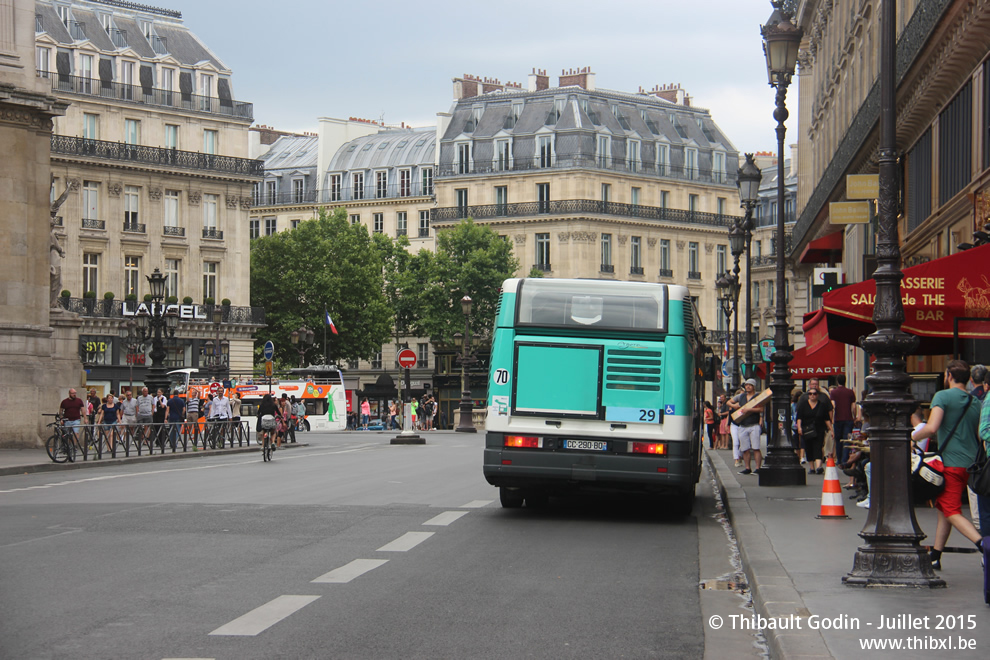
737 585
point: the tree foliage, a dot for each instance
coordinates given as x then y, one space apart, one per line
324 263
470 260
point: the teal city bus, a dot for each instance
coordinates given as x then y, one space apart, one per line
594 384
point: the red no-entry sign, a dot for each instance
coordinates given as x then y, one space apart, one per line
215 388
407 358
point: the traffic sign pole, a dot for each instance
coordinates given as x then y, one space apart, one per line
407 359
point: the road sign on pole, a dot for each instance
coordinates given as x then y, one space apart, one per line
766 348
268 368
215 388
407 358
269 351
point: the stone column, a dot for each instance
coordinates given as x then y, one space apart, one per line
32 378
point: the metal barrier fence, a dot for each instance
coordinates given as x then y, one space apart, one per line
97 441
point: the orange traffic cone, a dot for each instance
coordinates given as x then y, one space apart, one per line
832 506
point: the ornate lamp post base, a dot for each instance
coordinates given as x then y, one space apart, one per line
892 565
779 470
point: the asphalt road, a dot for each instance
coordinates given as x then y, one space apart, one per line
349 548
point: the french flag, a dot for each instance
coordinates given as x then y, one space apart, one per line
333 328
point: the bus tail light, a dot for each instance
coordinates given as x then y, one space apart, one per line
523 441
658 448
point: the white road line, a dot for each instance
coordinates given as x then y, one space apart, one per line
261 618
185 469
406 542
476 504
445 518
348 572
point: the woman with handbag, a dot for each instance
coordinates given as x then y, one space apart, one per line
813 422
954 419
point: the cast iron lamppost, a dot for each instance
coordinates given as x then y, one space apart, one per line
131 341
892 555
781 39
737 244
302 339
155 325
466 422
748 179
216 354
727 286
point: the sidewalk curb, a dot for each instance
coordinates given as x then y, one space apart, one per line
146 458
772 588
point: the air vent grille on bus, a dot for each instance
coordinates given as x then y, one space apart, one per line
627 369
688 318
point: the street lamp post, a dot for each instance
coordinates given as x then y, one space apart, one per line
892 556
781 39
302 339
727 287
466 422
156 325
748 180
217 354
737 243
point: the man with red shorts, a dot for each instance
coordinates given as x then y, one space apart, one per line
954 418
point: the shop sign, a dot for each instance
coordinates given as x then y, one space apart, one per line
849 213
862 186
188 312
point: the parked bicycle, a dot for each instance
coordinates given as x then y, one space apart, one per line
62 445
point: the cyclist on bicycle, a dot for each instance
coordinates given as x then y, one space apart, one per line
71 410
266 407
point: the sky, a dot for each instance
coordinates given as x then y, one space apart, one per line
299 60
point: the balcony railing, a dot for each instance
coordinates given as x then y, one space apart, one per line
173 231
542 267
424 232
400 232
608 268
213 233
93 223
370 192
635 270
763 260
666 272
148 95
587 161
134 227
97 307
525 209
282 198
694 275
168 158
719 337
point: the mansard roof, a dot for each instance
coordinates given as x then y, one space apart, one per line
386 149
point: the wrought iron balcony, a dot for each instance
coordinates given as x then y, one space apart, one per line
168 158
173 231
369 191
93 223
608 268
164 98
666 272
635 270
543 267
569 206
213 233
719 337
400 232
284 198
584 161
694 275
763 261
424 232
134 227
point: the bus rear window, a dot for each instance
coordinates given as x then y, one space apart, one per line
590 304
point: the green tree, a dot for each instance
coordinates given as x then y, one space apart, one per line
324 263
470 260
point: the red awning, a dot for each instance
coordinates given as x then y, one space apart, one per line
934 295
830 360
824 250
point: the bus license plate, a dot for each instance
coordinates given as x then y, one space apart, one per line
593 445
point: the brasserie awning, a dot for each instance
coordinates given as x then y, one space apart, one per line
938 298
828 360
824 250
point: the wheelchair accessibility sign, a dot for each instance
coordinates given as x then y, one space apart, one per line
668 409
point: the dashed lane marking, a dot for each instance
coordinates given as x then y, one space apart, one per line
445 518
348 572
262 618
406 542
185 469
476 504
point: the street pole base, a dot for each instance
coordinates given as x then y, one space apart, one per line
782 475
893 565
408 439
466 429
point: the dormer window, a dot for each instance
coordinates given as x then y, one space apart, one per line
107 20
63 15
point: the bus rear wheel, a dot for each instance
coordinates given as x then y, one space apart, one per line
510 498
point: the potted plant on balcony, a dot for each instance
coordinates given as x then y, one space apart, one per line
89 302
209 301
187 300
171 300
107 305
64 298
147 297
130 297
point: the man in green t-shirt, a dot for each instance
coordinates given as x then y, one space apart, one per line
954 418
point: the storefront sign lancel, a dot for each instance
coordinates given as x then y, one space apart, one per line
185 311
